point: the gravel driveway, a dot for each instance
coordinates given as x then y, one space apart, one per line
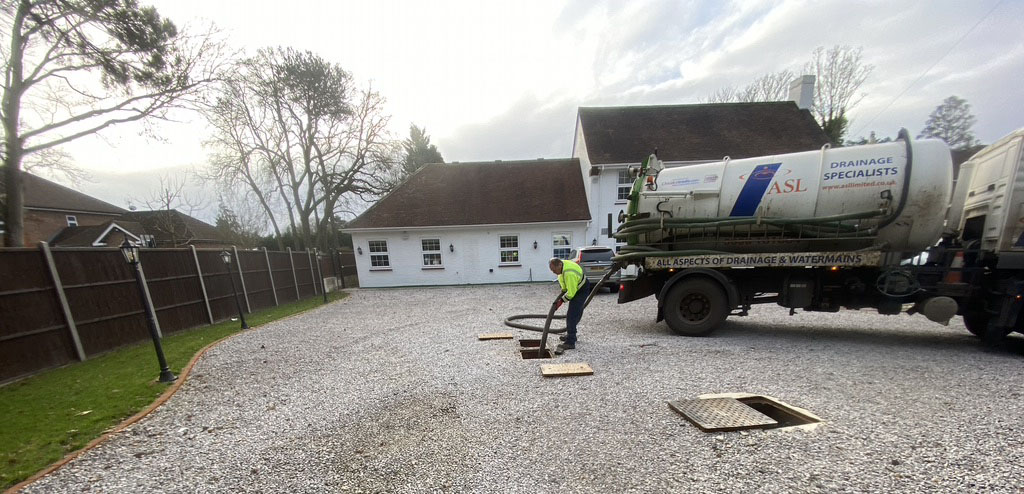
389 390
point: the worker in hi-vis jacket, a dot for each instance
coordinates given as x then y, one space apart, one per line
576 287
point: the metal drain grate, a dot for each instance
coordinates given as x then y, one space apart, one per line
721 414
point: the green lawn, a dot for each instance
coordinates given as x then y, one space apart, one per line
47 416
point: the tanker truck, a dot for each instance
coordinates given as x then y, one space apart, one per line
876 226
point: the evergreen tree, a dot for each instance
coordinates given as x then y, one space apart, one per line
951 121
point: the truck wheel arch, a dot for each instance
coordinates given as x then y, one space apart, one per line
728 286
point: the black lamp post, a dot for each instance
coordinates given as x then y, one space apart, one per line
131 256
226 257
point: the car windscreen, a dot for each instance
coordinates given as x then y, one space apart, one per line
596 255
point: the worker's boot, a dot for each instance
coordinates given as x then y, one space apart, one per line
562 347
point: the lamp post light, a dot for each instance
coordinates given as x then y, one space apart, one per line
131 256
226 257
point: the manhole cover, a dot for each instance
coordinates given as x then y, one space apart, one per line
721 414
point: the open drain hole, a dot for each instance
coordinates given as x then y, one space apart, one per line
531 353
529 343
785 416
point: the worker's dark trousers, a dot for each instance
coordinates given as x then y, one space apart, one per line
575 313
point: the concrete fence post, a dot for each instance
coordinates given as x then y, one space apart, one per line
241 276
59 288
270 274
312 274
202 284
295 279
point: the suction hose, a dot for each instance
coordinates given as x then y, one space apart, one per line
551 313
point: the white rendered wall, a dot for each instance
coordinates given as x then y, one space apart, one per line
475 259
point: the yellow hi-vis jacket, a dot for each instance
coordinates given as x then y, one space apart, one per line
571 280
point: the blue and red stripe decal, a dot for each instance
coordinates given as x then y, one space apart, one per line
754 188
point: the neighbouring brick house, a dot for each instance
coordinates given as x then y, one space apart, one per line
65 217
172 228
50 208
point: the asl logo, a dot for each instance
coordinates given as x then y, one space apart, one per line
788 186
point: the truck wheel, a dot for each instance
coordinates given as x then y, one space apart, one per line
976 322
695 307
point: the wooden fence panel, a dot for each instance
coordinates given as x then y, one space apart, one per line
104 302
218 285
103 297
283 280
33 333
174 287
257 281
302 272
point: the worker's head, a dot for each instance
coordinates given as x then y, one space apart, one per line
555 265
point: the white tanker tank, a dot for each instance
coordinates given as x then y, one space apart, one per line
891 196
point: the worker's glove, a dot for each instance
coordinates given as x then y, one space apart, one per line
558 304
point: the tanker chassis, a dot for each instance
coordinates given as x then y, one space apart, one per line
875 226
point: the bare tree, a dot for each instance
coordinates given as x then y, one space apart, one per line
727 94
293 128
773 86
839 74
76 67
164 204
239 220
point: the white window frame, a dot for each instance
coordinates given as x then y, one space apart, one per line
424 253
556 247
71 219
620 186
502 250
386 253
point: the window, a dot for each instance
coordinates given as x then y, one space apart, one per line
72 221
625 185
379 254
431 252
509 248
562 245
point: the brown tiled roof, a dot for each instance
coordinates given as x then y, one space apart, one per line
174 228
42 193
499 192
628 134
84 236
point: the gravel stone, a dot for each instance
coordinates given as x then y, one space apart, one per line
389 390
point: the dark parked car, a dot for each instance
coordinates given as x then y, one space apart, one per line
595 262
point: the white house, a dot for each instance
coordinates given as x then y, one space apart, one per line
501 221
458 223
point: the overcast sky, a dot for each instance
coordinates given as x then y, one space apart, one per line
502 80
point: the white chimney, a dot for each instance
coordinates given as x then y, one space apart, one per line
801 91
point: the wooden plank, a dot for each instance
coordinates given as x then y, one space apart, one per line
495 336
560 370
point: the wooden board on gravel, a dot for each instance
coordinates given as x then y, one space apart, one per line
565 370
495 336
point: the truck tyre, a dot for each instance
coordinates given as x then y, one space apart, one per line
976 322
695 306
